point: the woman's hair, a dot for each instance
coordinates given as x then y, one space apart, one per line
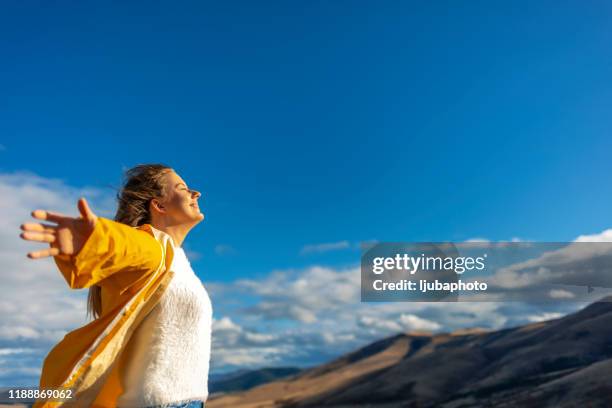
143 183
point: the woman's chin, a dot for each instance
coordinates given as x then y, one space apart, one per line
196 214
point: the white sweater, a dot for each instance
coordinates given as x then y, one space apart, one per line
169 352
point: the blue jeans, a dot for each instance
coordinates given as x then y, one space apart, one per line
190 404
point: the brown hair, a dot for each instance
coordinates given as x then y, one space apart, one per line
143 183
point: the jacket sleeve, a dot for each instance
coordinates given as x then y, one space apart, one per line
112 247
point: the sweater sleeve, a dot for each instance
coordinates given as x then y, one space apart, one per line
112 247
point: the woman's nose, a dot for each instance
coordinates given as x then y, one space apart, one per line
196 194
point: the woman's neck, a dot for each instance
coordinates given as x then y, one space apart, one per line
178 233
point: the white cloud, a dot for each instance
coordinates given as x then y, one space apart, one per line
403 323
193 255
379 324
246 357
580 263
543 317
325 247
234 345
8 351
406 322
300 295
561 294
335 338
8 332
604 236
366 245
488 241
37 306
225 324
11 372
223 249
416 323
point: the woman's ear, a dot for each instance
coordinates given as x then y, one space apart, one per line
158 206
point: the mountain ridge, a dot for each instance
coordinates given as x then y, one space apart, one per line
522 365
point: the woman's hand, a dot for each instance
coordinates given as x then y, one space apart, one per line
66 238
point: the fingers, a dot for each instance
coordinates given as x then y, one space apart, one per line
44 253
84 209
38 236
31 226
49 216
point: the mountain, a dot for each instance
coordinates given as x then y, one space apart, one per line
246 379
212 377
564 362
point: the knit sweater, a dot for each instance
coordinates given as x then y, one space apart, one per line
169 353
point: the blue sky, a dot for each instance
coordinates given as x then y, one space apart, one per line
306 123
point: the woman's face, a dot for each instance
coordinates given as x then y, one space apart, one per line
179 204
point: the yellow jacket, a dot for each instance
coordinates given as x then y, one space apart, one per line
131 265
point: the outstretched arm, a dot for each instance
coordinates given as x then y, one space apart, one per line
65 238
88 249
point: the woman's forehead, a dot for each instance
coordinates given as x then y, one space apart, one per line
174 179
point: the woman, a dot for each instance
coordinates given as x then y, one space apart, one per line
149 343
